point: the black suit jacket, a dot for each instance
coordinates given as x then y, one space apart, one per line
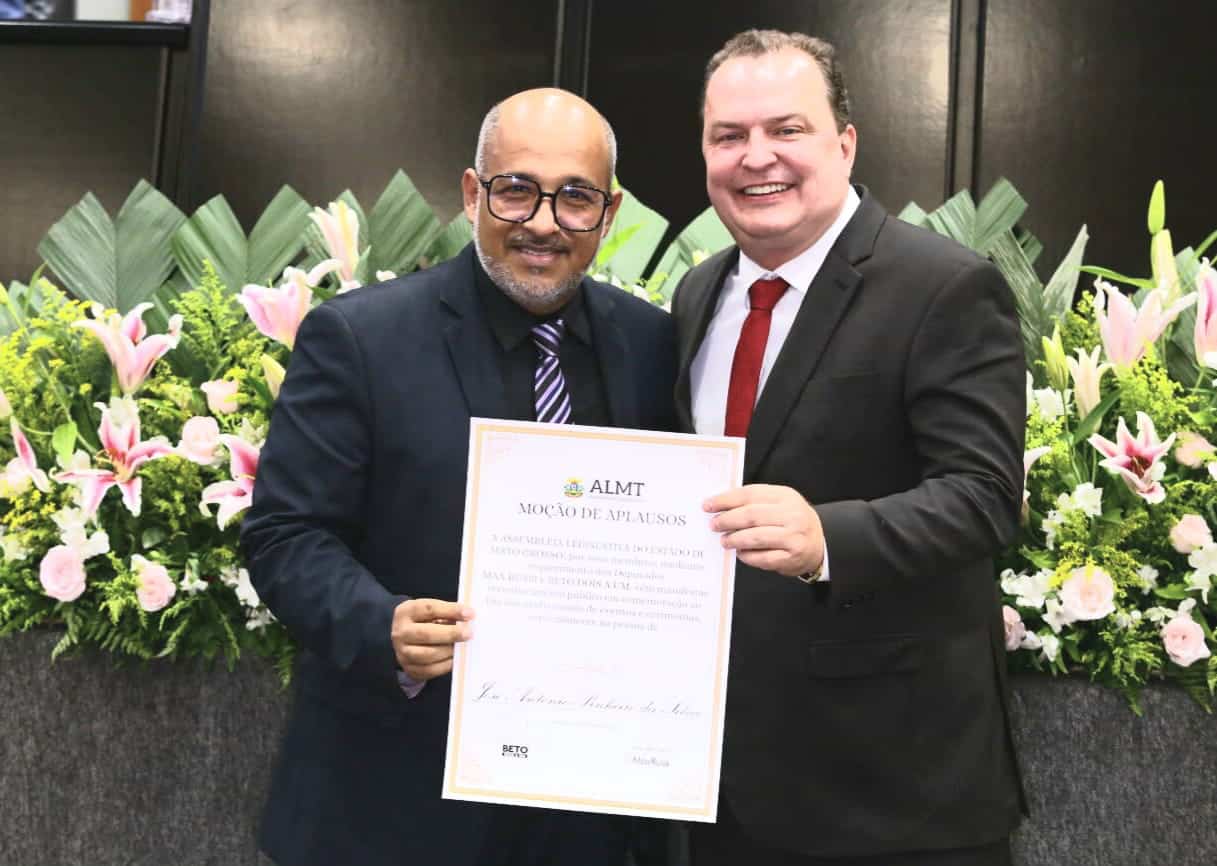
867 715
358 505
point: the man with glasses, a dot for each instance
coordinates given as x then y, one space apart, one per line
353 539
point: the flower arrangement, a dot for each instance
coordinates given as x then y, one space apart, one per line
131 446
1114 573
135 454
132 450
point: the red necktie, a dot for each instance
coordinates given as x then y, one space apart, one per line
749 353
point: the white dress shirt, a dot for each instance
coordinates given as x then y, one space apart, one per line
710 373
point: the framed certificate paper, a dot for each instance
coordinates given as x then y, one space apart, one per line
596 676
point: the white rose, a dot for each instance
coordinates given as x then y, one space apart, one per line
200 439
1190 533
1184 641
1088 594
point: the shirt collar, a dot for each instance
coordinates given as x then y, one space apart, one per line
512 324
802 269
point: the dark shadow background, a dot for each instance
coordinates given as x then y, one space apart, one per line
1082 104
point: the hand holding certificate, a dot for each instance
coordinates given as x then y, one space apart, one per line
597 677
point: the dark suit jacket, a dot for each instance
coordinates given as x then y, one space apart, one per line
358 504
867 715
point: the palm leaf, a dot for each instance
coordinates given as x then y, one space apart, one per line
119 262
213 234
999 211
956 218
277 238
705 235
402 227
454 238
631 242
914 214
1057 297
1028 293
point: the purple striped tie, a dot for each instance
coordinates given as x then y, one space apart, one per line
549 386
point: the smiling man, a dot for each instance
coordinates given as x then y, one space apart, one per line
353 539
877 372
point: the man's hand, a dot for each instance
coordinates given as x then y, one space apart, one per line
770 527
425 630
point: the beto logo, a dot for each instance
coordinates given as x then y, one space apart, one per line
515 751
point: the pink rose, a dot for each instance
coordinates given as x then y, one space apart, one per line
1184 641
1089 593
221 396
62 573
200 438
1015 630
1192 449
155 587
1190 533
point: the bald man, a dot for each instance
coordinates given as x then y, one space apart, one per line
353 539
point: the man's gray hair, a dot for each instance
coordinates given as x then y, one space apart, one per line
490 123
757 43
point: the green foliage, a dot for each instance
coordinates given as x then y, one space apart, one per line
118 263
52 374
213 237
1091 527
991 229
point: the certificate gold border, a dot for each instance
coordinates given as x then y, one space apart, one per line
479 430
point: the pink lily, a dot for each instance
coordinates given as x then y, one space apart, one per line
28 461
340 228
132 352
1137 460
277 313
126 453
233 496
1206 317
1128 330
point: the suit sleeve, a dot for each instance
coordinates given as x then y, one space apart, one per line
965 402
308 503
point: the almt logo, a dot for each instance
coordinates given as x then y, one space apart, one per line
613 487
515 751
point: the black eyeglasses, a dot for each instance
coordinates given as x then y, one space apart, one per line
576 208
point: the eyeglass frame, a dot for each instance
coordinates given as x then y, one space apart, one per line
553 201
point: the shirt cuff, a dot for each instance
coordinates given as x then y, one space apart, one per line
824 566
409 685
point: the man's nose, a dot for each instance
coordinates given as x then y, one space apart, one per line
543 222
758 153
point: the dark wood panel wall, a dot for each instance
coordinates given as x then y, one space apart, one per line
325 96
1082 104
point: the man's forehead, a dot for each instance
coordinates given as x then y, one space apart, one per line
778 73
559 154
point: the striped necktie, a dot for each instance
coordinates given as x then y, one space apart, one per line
549 386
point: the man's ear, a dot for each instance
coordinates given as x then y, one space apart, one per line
849 144
614 203
470 187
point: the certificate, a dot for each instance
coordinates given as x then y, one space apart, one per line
596 677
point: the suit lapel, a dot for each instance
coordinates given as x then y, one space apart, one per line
701 288
828 297
610 345
471 345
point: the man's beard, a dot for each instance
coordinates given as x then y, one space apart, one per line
532 296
